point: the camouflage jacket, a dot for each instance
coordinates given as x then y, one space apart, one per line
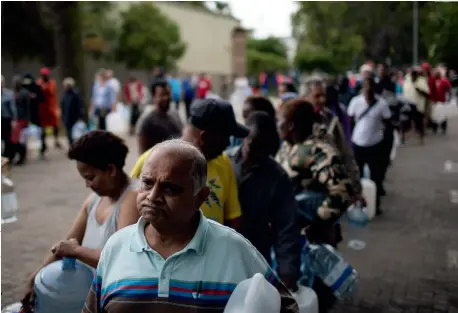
332 133
317 166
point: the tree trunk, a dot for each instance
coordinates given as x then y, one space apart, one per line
66 18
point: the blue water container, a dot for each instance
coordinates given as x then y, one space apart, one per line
62 287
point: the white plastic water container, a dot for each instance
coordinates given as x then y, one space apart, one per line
369 194
62 287
10 207
307 300
357 218
254 295
118 121
32 136
396 144
79 129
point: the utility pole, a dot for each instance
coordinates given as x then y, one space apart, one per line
415 33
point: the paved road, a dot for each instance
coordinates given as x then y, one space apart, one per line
409 265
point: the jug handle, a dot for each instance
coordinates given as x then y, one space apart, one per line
68 264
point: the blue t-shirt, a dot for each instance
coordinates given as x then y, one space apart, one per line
175 85
188 89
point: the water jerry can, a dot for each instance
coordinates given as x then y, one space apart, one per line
62 287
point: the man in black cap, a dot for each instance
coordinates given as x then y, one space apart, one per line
211 123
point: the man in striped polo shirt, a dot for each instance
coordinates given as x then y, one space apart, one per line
174 259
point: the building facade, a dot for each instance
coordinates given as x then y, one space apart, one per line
215 42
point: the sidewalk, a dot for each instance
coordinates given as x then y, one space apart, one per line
410 263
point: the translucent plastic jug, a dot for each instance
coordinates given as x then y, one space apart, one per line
117 123
32 135
369 194
79 129
254 295
307 300
10 205
62 287
357 219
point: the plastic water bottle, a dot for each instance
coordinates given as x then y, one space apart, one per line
62 287
10 205
357 218
79 129
332 269
254 295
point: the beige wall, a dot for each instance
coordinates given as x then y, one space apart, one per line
208 37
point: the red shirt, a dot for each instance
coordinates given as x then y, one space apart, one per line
432 89
203 86
138 85
443 87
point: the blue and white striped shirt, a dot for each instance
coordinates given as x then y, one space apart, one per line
132 277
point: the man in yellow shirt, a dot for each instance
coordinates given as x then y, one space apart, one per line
211 123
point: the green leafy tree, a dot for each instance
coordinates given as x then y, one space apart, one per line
269 54
354 31
99 28
309 60
222 7
148 38
258 62
439 33
271 45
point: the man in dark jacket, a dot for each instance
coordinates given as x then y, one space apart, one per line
36 97
22 100
71 106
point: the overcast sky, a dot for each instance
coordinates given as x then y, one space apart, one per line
265 18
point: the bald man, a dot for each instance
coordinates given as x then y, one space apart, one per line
175 259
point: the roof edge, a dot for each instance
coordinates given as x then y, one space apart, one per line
197 9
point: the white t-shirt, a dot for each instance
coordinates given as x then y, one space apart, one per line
116 85
410 92
369 129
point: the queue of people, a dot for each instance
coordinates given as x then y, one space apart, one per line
35 103
201 213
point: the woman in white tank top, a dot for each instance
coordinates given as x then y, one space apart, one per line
100 158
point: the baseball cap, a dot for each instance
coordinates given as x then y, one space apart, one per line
45 71
216 115
425 66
